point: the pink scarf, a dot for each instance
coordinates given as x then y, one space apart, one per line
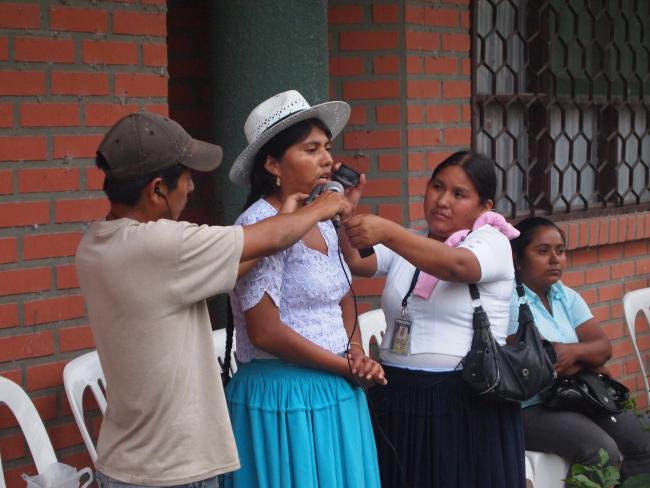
426 283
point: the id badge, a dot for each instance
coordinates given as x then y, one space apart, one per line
402 335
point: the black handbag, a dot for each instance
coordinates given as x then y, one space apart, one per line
514 372
588 393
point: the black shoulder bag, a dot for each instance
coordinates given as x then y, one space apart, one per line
588 393
514 372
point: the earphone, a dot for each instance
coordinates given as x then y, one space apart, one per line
158 192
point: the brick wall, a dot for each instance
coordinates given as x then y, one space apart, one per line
68 70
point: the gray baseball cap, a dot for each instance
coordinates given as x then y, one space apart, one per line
143 143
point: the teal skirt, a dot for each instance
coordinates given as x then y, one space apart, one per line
299 427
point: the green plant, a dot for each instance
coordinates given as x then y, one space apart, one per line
600 475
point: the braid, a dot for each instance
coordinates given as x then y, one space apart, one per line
230 332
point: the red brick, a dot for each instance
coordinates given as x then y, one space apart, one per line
388 114
50 245
154 54
8 315
53 310
19 214
584 256
423 89
85 210
638 248
432 16
78 19
45 375
46 406
345 14
139 23
390 162
456 89
434 158
458 136
13 447
417 185
573 278
44 49
382 188
4 49
66 277
19 16
590 296
49 115
415 162
75 338
642 266
45 180
6 115
413 64
343 66
368 286
108 52
8 250
442 113
26 346
421 41
622 270
385 14
455 42
6 182
22 83
366 90
94 179
375 139
106 114
414 114
368 40
66 435
423 137
610 292
391 211
140 85
68 83
440 66
15 148
76 146
416 212
383 65
160 109
358 116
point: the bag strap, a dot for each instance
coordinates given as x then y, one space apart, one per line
230 332
480 319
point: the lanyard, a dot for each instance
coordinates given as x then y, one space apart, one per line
414 280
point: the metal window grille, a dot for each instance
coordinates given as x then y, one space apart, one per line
561 102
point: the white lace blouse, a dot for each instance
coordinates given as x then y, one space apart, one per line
305 284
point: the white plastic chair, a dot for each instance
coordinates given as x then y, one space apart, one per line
371 324
219 338
634 302
85 372
31 424
546 470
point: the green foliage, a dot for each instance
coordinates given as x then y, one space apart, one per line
600 475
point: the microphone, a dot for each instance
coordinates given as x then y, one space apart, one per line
337 187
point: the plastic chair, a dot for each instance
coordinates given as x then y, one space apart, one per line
219 338
30 423
634 302
85 372
548 470
371 324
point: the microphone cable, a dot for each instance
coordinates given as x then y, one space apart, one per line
371 406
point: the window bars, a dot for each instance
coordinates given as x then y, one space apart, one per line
561 101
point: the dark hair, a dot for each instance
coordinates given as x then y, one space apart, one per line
527 228
128 191
478 168
263 182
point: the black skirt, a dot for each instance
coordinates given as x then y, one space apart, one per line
432 431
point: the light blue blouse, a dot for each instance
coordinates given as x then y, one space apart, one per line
569 311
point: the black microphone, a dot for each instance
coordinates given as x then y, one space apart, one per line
337 187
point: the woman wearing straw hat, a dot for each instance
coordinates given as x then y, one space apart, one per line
298 418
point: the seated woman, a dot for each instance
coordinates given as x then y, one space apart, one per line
563 317
431 429
299 417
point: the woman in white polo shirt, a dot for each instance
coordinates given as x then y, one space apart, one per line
563 317
443 434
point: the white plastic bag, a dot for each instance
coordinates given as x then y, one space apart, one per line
59 475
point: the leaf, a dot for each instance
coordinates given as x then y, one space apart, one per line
584 482
604 457
637 481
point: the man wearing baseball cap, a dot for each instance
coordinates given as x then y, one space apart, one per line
145 278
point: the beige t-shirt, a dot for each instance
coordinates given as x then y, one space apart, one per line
145 286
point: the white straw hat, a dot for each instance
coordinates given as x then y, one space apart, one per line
274 115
